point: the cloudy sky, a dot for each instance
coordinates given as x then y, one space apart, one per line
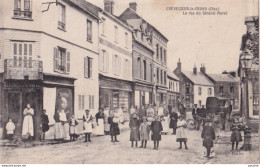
213 40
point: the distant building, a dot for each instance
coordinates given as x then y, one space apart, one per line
225 87
158 42
173 92
195 87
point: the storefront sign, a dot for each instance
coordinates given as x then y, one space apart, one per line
21 85
115 85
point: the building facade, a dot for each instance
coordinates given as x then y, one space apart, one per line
173 92
159 60
195 87
115 60
48 67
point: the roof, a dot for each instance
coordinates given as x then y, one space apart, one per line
222 77
137 16
172 75
86 6
198 79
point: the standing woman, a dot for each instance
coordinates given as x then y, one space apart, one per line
45 124
100 122
208 135
181 135
27 130
87 125
106 124
134 125
113 120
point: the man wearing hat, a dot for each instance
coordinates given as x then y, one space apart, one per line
208 135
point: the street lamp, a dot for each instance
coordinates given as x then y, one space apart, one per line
246 61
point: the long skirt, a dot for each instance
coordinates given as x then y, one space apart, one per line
59 131
114 129
100 127
208 142
88 127
28 125
134 134
165 125
156 137
106 125
73 130
236 136
181 134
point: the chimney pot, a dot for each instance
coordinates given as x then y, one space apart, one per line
195 70
133 6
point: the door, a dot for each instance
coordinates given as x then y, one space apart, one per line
15 111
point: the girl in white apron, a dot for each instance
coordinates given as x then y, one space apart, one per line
87 125
100 122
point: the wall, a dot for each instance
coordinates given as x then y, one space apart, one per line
204 94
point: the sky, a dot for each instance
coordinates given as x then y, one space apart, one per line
212 40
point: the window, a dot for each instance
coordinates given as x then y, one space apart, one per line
61 60
116 65
187 90
221 89
103 26
165 78
161 77
88 63
89 30
209 91
157 75
81 102
126 68
157 51
199 103
22 9
126 39
61 22
91 102
255 100
144 71
116 34
161 54
232 89
164 56
22 54
104 61
138 67
199 91
151 72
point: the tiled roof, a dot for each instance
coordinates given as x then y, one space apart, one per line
198 79
87 6
222 77
172 75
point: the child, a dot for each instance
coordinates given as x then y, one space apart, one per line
87 125
10 127
247 138
45 124
156 128
236 135
208 135
113 120
73 129
144 132
134 125
181 135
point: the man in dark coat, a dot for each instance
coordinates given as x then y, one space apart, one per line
203 114
156 128
173 121
45 124
208 135
222 115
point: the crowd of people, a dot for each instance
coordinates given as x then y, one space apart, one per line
145 123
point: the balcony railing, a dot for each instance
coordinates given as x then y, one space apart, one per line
23 69
22 14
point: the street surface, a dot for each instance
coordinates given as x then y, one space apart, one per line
101 150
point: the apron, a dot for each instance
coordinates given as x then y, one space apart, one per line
100 127
28 122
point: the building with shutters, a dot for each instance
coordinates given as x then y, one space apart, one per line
150 37
115 59
47 60
173 92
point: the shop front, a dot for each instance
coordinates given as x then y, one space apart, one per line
115 93
143 95
161 96
172 99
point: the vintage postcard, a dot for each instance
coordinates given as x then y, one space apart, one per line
129 82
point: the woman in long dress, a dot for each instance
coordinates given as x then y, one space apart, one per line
106 124
181 135
166 123
59 128
28 113
134 125
100 122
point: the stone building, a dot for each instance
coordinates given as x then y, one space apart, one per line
154 38
47 60
173 92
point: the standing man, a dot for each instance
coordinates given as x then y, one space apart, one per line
173 121
194 114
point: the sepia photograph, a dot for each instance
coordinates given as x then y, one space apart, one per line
129 82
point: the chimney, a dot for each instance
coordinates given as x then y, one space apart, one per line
195 70
179 65
202 69
109 6
133 5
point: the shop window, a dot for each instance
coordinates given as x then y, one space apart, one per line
62 17
88 67
199 91
89 30
22 54
61 60
22 9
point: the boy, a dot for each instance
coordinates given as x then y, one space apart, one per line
208 135
10 127
156 128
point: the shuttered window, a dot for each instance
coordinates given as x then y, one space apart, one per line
88 62
61 60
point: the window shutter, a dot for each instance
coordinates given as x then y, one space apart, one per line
55 59
68 62
92 102
79 100
86 66
90 67
83 102
114 64
64 59
119 66
89 100
107 62
100 59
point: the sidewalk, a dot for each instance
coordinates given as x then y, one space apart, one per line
33 143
